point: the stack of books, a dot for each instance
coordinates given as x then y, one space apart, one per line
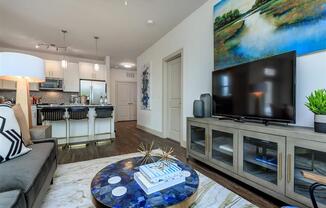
158 176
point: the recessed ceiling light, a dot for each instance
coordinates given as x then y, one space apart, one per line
127 65
37 46
150 21
126 3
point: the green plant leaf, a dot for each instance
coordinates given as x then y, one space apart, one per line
317 102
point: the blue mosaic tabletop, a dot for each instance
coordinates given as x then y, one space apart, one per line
104 193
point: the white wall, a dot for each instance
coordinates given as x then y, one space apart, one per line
195 36
119 75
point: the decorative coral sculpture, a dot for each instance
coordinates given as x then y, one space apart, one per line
146 150
166 156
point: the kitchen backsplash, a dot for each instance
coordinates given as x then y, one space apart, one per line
47 96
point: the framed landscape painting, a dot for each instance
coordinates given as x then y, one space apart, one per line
247 30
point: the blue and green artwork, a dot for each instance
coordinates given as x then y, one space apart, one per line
247 30
145 89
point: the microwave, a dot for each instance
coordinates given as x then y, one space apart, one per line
52 84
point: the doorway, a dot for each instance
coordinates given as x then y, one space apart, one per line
126 101
173 97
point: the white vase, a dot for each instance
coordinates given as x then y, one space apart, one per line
320 123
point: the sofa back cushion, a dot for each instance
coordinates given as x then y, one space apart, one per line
21 119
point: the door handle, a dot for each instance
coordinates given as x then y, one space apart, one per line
289 164
280 159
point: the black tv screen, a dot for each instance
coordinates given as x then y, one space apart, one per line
263 89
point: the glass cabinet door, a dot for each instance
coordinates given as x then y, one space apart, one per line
310 157
262 159
223 147
198 139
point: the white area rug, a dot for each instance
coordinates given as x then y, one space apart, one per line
71 188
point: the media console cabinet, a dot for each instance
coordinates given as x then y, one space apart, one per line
269 158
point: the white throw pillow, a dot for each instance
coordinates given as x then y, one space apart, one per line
11 143
8 119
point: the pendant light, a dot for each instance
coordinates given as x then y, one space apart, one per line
64 62
96 66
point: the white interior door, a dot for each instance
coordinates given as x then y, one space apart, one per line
133 101
174 98
126 106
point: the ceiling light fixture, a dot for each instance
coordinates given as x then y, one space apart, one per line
126 3
150 21
96 66
37 46
127 65
64 62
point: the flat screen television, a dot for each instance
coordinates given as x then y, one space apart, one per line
259 90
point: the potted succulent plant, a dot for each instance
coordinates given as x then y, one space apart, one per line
317 104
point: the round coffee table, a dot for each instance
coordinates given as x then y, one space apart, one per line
115 187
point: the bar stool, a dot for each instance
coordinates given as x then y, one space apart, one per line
49 114
103 112
77 113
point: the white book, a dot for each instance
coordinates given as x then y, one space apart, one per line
150 188
161 170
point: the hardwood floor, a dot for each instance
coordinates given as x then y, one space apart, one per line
127 141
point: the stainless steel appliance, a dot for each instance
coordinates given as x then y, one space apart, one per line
94 90
52 84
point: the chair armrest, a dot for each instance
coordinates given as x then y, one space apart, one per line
312 176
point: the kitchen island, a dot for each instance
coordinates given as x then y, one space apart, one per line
82 131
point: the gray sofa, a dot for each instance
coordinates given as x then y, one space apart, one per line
26 179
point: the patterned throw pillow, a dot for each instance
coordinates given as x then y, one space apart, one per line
11 143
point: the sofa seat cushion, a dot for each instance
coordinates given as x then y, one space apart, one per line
29 171
12 199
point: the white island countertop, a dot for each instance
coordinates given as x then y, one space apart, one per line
70 105
86 130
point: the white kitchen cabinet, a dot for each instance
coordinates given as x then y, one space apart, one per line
71 78
86 71
34 86
7 85
11 85
53 69
101 73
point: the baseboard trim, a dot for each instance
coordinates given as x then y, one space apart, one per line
149 130
159 134
183 144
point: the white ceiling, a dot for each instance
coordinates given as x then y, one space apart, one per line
123 30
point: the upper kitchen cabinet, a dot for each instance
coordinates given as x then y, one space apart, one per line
34 86
53 69
71 78
87 71
7 85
